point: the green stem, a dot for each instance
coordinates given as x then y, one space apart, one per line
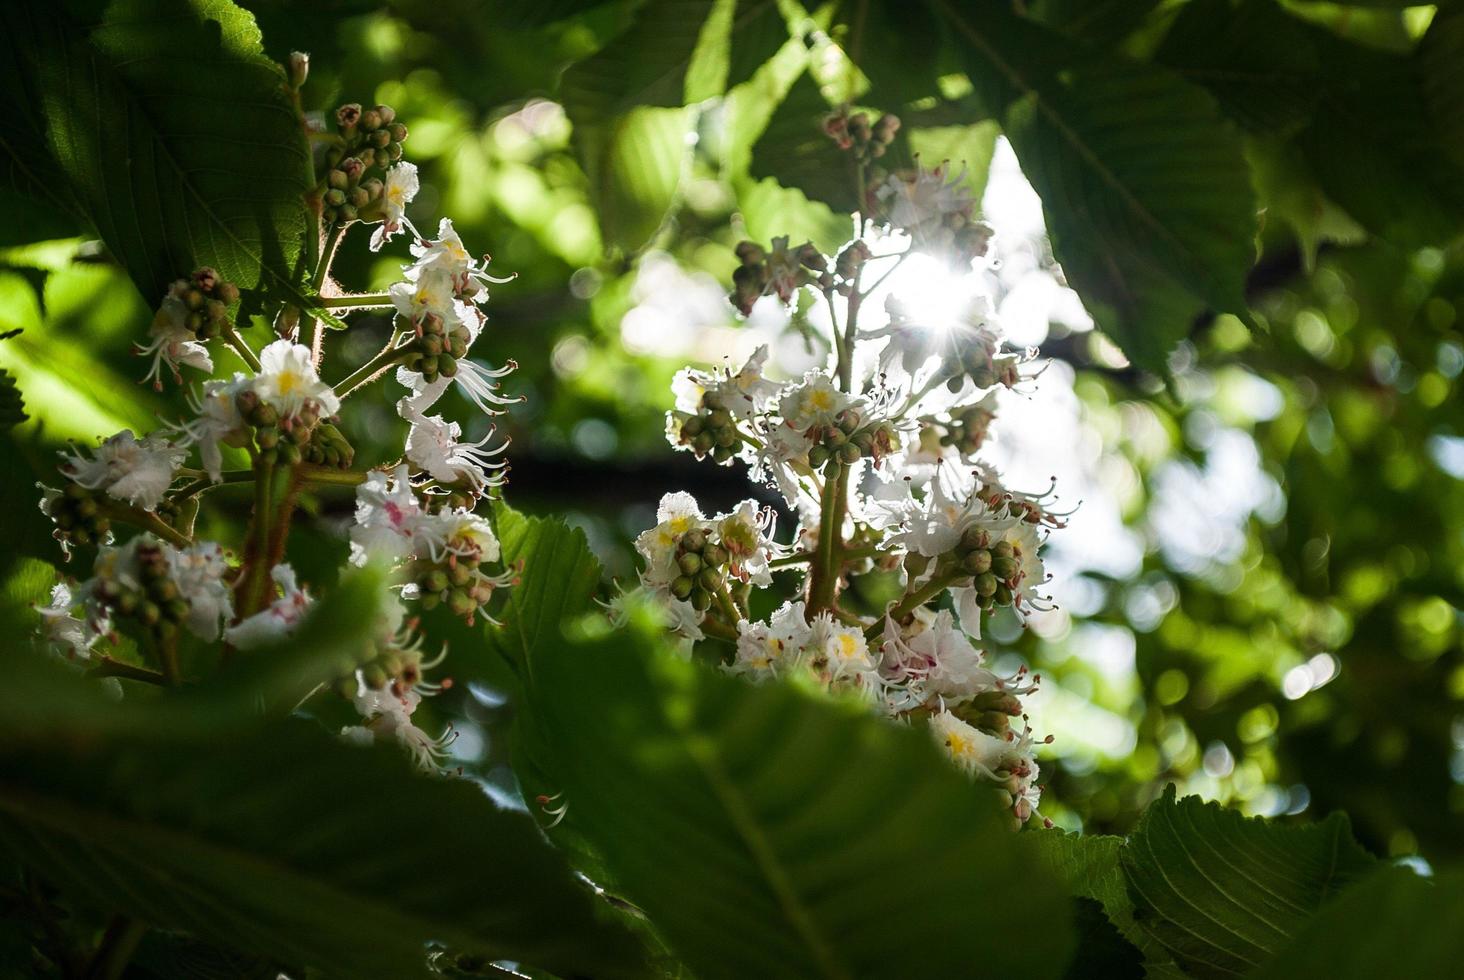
168 654
256 540
195 487
719 629
240 347
824 577
372 369
311 473
322 271
107 667
804 557
914 600
359 301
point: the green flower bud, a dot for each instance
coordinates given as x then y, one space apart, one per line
385 113
986 584
849 453
1003 549
817 457
723 454
447 365
691 427
149 614
338 181
716 555
435 580
694 540
459 574
289 453
976 562
1003 596
461 603
690 563
1004 568
700 601
681 586
398 132
370 119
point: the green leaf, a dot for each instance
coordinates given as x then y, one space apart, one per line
1391 924
645 65
1147 196
1440 61
634 165
758 32
1259 63
794 150
557 583
1222 892
1103 953
1101 22
166 127
284 840
769 834
1089 863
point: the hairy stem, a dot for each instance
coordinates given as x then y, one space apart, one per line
322 272
359 301
240 347
371 370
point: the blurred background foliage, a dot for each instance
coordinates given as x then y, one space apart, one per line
1262 590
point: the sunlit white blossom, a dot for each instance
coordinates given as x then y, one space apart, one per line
138 471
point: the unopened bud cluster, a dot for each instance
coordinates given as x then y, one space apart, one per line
371 140
287 439
436 350
152 598
848 440
781 271
712 431
854 133
967 429
702 563
206 298
458 583
993 566
78 514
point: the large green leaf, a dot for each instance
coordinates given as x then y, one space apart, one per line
769 834
1089 864
795 150
163 124
1223 892
1391 924
1147 196
282 840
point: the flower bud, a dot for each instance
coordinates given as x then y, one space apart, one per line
347 117
690 563
370 120
398 132
385 113
986 584
1004 568
716 555
337 179
681 586
297 68
976 562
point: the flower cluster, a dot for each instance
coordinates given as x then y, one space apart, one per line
876 453
277 425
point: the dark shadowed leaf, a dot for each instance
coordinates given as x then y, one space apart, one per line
1391 924
345 859
769 834
163 125
1147 196
1223 892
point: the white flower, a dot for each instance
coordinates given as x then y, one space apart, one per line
919 202
388 716
387 517
138 471
172 343
842 655
198 571
677 514
433 446
459 533
447 253
744 393
935 660
287 380
815 401
432 292
781 461
66 634
934 526
969 747
678 616
745 534
276 621
400 187
773 647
